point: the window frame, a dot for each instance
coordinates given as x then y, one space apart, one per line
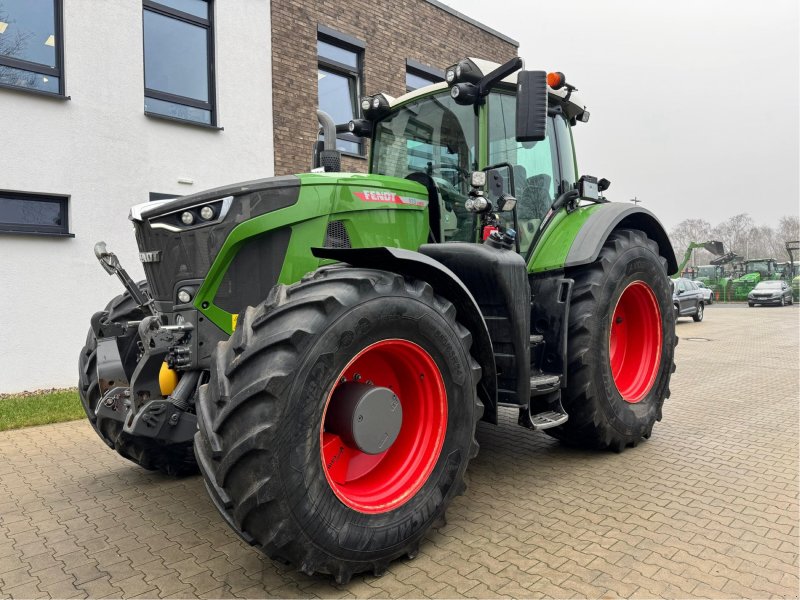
356 46
47 230
208 25
41 69
418 69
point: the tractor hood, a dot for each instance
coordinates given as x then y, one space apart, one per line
179 239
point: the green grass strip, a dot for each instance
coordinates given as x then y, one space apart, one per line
40 409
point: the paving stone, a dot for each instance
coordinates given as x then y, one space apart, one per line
708 507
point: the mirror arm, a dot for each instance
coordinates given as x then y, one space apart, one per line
564 199
500 73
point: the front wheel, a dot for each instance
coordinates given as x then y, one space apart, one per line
339 420
783 301
621 345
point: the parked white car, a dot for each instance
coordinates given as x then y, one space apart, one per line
708 294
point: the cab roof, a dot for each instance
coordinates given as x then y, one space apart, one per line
575 103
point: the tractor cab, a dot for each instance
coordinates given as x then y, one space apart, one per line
485 117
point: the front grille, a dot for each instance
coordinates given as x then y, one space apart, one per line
253 271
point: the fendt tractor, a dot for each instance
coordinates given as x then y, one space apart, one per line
322 346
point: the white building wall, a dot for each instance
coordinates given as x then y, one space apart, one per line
102 150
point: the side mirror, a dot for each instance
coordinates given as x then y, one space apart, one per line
531 106
499 183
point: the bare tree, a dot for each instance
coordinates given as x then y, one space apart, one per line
734 233
690 230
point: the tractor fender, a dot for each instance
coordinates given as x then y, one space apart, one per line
615 215
446 284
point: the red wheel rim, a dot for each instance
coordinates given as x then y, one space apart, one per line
378 483
634 344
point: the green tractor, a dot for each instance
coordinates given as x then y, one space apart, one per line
716 277
322 346
755 270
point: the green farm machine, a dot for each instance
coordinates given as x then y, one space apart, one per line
714 247
755 270
322 346
792 272
718 276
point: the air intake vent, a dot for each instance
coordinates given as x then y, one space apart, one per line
336 236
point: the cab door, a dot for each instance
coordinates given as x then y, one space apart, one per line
535 167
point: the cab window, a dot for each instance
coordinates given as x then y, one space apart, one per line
566 154
534 164
435 136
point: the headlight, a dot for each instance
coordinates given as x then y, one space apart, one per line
206 213
187 218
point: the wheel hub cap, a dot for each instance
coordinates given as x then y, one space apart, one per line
365 417
384 426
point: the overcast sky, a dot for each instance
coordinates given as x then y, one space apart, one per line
694 103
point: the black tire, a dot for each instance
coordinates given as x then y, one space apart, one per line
750 304
599 417
783 300
698 315
174 459
260 418
711 299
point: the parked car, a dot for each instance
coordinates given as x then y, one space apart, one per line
687 298
708 293
770 292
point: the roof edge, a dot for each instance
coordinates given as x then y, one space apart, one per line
472 21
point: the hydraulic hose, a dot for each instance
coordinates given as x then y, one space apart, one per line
183 392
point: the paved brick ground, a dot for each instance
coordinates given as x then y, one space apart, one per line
707 507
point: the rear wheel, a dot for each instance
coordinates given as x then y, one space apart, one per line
698 316
174 459
621 345
339 420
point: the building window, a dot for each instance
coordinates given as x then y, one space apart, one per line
339 77
178 60
160 196
33 213
31 45
419 75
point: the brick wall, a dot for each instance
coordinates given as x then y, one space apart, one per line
392 31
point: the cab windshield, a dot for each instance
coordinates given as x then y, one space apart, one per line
760 266
435 136
706 271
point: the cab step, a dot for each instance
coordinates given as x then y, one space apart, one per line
545 383
548 419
